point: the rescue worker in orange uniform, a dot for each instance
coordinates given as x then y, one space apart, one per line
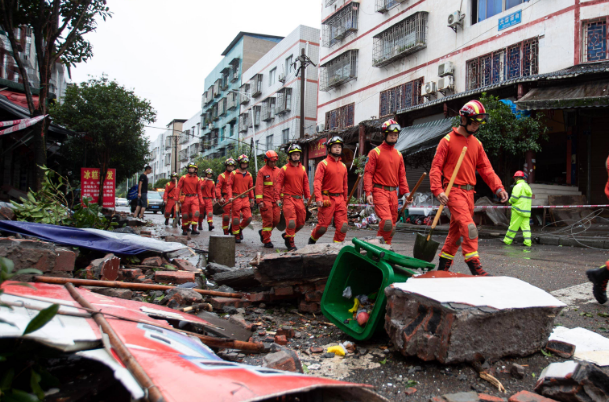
461 200
600 276
224 192
208 198
190 188
330 190
293 185
266 197
241 180
383 174
170 197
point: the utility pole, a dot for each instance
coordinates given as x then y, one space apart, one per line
304 62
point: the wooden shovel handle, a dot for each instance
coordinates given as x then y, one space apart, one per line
447 192
359 176
310 199
414 190
237 196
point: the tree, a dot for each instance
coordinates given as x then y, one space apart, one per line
111 119
160 183
59 27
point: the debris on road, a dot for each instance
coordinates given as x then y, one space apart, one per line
572 381
589 346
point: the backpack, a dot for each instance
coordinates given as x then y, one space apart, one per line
132 194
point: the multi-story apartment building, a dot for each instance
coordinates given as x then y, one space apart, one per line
190 140
270 92
221 99
419 61
165 151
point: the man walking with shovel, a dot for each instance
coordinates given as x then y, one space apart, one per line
241 180
224 191
266 197
461 201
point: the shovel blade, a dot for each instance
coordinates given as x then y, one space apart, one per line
425 249
281 225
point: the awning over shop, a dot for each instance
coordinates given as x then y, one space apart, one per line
421 137
586 94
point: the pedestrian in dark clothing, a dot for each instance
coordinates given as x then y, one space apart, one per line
142 193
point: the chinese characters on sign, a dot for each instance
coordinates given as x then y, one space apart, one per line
318 149
89 186
510 20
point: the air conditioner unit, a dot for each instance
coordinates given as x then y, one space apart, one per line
281 77
446 83
429 88
455 19
446 68
320 128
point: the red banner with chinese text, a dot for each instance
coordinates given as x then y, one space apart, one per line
89 186
318 148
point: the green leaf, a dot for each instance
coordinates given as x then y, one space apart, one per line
410 383
169 267
384 361
604 315
17 395
26 271
7 380
35 384
6 265
41 319
159 298
546 353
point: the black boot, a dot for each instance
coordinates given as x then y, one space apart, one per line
211 226
194 230
476 268
166 221
237 237
269 245
261 238
445 264
291 245
311 241
599 278
184 232
286 240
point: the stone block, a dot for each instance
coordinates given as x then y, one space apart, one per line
517 371
456 319
26 253
65 259
218 302
288 332
237 279
7 214
212 268
282 360
526 396
222 250
153 261
573 382
176 239
462 397
174 276
184 265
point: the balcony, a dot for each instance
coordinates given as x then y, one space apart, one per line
183 155
184 137
256 85
384 5
234 73
167 160
231 101
222 107
340 25
338 71
217 88
168 143
284 101
268 109
243 122
406 37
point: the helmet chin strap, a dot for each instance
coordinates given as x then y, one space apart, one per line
466 130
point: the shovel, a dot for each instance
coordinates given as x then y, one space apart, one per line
281 225
424 248
414 190
235 197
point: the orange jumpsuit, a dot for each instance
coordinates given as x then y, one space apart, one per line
208 195
189 187
460 200
241 206
330 184
265 191
224 190
293 185
170 197
383 174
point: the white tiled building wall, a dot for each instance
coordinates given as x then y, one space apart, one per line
284 127
190 141
551 22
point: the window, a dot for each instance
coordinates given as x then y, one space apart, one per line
340 25
518 60
284 100
288 65
400 97
342 117
328 3
339 70
594 40
405 37
243 122
285 136
384 5
269 142
268 109
244 89
272 74
256 85
488 8
16 76
257 111
231 129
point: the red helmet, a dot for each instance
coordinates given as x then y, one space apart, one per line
271 156
243 159
391 126
474 111
230 161
519 173
209 171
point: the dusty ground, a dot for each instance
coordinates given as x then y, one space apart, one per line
560 270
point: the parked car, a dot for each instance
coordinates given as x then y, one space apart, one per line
155 201
121 202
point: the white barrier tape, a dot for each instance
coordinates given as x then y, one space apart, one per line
478 207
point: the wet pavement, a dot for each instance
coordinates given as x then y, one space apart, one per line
559 270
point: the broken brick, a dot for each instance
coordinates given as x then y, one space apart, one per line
184 265
282 360
320 286
313 297
131 273
410 391
562 349
573 381
490 398
462 397
105 268
65 259
305 307
316 349
281 340
283 291
218 302
174 276
258 297
184 296
153 261
288 332
526 396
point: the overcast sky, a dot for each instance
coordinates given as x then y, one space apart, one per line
164 49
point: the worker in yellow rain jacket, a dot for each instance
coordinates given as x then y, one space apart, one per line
521 200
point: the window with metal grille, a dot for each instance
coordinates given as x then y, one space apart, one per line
285 136
284 100
384 5
594 39
269 142
400 97
339 70
222 107
244 122
340 118
272 75
256 85
328 3
268 109
518 60
257 112
217 85
399 40
244 89
340 25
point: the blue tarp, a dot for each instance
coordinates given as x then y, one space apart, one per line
69 236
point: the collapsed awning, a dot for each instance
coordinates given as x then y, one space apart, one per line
421 137
586 94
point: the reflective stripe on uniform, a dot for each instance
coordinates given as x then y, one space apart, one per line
471 255
267 229
325 162
268 183
378 151
521 210
258 195
446 255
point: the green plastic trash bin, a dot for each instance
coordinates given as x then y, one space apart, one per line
366 274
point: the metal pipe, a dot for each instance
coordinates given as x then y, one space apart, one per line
126 285
152 392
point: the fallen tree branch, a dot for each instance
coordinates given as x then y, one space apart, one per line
486 376
127 285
